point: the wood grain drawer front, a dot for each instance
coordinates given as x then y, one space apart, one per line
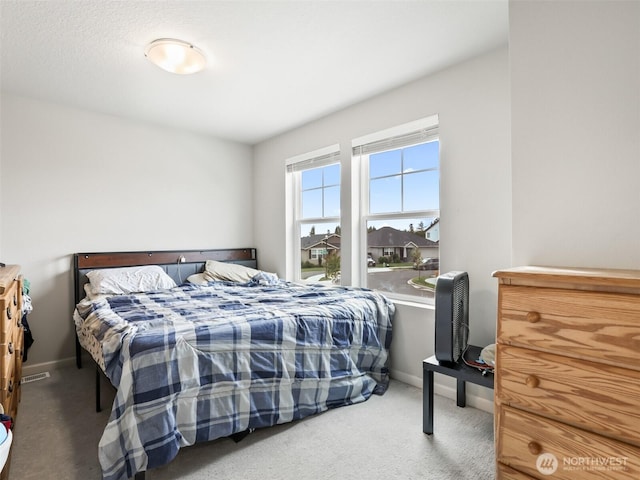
10 306
596 397
8 355
523 438
508 473
10 404
8 389
598 326
6 399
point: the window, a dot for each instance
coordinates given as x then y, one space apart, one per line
314 181
400 204
388 252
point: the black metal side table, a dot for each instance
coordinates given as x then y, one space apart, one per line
461 371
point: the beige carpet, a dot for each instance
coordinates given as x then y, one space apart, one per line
57 434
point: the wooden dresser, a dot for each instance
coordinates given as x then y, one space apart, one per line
11 342
567 379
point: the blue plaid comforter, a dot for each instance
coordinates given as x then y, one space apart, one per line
197 363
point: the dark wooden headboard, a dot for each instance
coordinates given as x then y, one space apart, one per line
178 264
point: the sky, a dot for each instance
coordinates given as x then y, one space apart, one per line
401 180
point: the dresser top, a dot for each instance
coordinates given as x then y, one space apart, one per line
601 279
7 275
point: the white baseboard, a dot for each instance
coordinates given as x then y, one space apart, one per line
47 366
406 378
481 403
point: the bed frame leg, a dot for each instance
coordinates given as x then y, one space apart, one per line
98 407
78 353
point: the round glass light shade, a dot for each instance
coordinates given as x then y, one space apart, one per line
175 56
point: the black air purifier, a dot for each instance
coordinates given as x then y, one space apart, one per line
452 316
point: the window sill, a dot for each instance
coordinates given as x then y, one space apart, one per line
410 303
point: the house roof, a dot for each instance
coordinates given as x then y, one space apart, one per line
318 241
433 224
390 237
382 237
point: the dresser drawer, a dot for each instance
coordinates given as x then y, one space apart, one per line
10 311
11 355
507 473
574 453
598 326
9 403
597 397
7 400
7 364
9 388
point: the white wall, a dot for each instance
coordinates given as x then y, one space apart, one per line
575 83
472 100
76 181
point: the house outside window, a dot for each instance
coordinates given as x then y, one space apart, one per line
400 200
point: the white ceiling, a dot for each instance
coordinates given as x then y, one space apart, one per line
273 65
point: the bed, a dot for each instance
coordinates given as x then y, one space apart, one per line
227 350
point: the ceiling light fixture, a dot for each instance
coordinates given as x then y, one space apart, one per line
175 56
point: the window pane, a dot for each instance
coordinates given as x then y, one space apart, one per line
320 253
401 251
331 202
311 178
421 157
321 192
403 187
421 191
332 175
385 195
385 163
312 203
317 193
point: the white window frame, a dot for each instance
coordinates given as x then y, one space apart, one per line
393 139
322 157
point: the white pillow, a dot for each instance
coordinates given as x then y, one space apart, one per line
231 272
197 278
89 295
118 281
